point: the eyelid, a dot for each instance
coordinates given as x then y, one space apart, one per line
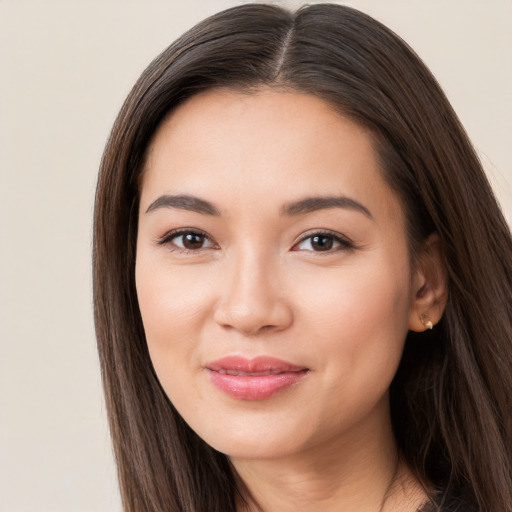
168 237
344 241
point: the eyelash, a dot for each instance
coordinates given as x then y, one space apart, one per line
344 243
168 238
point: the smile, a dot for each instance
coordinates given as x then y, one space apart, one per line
255 379
247 374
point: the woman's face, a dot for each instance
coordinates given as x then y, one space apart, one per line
273 273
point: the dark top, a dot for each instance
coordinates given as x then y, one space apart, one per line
445 503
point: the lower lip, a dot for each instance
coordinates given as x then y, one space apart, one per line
258 387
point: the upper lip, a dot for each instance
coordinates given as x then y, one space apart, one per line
261 365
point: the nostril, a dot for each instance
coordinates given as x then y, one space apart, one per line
254 320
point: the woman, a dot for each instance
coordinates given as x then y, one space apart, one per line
303 283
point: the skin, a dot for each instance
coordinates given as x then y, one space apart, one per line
257 284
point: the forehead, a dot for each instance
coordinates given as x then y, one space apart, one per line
267 145
264 115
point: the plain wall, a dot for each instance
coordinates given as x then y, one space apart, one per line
66 67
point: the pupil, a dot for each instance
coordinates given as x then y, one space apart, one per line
322 243
193 240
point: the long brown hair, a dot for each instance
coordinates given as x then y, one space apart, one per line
451 398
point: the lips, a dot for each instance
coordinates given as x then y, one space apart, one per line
254 379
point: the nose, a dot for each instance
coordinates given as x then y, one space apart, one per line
252 301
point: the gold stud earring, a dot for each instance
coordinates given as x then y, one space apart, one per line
427 323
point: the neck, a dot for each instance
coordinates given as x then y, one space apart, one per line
359 472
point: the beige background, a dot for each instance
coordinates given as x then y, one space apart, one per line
66 67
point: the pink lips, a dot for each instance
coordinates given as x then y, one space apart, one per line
255 379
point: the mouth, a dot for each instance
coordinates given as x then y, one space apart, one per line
248 374
254 379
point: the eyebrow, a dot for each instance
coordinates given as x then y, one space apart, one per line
301 207
184 202
313 204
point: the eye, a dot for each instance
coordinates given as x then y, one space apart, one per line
187 240
323 242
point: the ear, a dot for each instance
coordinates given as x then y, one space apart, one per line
429 286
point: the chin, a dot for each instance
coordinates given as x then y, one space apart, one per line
254 439
261 447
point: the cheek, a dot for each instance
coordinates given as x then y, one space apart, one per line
172 305
360 321
357 299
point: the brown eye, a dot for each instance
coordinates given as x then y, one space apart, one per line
192 240
187 240
322 242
